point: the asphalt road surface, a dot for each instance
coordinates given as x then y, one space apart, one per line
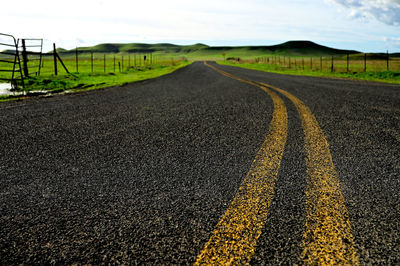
154 172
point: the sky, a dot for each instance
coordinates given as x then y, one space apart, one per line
363 25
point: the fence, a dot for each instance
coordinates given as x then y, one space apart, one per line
10 63
347 63
24 58
95 62
31 53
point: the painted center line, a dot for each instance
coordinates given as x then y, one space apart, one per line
235 236
328 238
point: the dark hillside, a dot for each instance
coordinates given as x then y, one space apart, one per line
293 48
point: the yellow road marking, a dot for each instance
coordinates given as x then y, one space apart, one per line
327 238
235 236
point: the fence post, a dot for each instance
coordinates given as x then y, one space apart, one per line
25 59
119 66
91 60
387 60
76 59
62 63
347 62
289 63
320 63
55 59
114 63
365 62
104 63
332 64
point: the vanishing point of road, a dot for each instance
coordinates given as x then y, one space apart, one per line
208 165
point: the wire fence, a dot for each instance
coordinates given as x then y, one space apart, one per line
342 64
95 62
36 63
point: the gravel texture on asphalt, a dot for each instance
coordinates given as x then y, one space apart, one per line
142 173
134 174
361 121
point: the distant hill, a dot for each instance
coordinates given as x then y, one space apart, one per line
293 48
138 48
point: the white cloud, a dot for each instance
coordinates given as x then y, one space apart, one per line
386 11
392 41
83 23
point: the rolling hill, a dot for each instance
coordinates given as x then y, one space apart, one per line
293 48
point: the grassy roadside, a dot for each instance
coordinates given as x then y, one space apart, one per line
90 81
383 76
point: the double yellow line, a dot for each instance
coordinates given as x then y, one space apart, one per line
327 238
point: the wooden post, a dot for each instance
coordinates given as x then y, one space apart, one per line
289 63
332 64
114 63
387 60
25 59
119 66
62 63
91 60
365 62
55 59
129 60
104 63
320 63
347 62
76 59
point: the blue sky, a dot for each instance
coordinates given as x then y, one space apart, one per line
364 25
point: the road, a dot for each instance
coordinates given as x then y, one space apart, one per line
208 164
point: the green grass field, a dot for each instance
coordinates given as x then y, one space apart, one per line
93 76
376 70
107 65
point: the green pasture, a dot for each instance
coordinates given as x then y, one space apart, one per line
107 65
376 70
86 79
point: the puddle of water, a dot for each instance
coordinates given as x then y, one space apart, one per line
5 89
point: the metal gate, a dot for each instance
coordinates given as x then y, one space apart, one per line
10 63
31 51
